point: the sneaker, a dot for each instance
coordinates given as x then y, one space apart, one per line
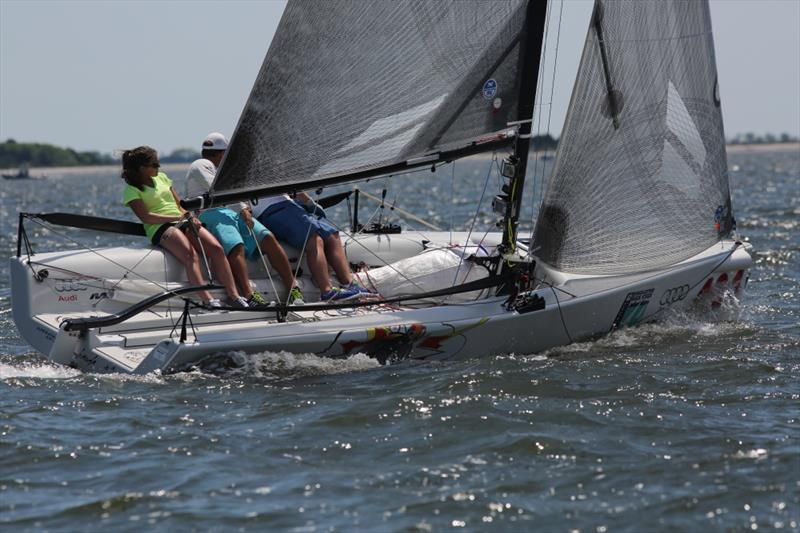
296 296
256 300
355 286
213 303
336 294
239 302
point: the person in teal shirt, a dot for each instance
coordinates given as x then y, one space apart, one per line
149 193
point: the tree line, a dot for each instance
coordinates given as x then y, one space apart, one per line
14 154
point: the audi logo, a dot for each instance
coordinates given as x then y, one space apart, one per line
68 285
675 294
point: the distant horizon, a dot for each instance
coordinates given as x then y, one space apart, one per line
729 141
793 145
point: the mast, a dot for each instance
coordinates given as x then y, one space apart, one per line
531 46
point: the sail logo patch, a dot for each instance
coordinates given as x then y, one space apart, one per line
632 308
489 89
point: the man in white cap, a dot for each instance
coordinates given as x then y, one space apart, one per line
235 228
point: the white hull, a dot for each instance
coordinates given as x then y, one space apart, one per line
575 308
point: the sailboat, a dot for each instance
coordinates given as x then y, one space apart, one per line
635 218
23 173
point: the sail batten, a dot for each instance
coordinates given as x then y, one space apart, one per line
640 179
351 87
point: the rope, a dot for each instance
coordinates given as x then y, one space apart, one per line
404 212
351 238
264 262
92 250
196 233
477 210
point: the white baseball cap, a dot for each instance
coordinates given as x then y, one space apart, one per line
215 141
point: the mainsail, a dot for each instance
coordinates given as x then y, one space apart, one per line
348 87
640 179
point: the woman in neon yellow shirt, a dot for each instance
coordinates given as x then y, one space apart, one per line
150 195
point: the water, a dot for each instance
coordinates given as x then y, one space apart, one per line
687 425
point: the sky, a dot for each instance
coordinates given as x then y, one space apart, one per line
105 75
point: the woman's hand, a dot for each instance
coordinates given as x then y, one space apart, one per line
189 217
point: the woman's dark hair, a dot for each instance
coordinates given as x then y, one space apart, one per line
133 160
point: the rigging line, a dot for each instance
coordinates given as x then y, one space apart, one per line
300 259
196 234
702 279
264 262
559 289
561 314
169 301
92 250
656 274
403 212
452 197
351 238
364 226
477 210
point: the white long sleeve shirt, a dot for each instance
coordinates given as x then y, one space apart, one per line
199 179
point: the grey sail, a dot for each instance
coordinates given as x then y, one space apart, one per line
640 179
349 86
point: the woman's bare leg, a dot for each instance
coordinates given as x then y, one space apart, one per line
176 243
216 256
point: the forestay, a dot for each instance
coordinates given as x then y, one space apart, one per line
351 86
640 179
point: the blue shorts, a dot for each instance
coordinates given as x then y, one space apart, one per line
292 224
231 230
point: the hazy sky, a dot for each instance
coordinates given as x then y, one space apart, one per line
106 75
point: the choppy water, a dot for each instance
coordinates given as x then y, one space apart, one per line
687 425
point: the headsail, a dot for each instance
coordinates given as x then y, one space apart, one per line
351 86
641 169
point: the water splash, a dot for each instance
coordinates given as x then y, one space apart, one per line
282 365
37 370
673 326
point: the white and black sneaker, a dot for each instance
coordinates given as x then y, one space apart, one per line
240 302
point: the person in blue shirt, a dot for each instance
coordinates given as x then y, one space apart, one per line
302 224
234 226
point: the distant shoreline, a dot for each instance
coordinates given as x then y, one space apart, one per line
97 169
763 147
179 167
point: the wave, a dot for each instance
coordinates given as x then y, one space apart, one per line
281 365
41 370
